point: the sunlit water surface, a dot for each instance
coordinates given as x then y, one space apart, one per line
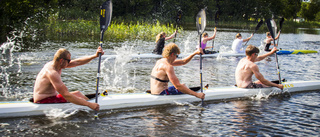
283 115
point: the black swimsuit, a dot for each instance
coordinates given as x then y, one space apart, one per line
165 81
266 48
159 47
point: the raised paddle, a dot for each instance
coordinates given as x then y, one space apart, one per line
178 19
281 22
105 19
272 27
201 25
216 18
257 27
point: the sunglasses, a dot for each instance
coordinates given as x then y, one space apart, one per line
67 60
177 55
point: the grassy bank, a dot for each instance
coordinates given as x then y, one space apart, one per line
117 31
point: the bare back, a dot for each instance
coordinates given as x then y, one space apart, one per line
159 71
43 87
244 73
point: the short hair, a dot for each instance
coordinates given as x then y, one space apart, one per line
61 54
238 35
251 49
169 49
268 34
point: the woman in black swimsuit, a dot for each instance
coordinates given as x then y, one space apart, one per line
160 40
268 40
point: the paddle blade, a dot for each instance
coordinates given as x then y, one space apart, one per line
281 21
105 15
179 15
201 21
272 27
216 17
258 25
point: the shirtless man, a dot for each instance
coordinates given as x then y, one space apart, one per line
246 68
163 72
49 88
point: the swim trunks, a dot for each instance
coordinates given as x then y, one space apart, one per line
171 91
254 85
266 48
54 99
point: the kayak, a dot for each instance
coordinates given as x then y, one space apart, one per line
221 54
281 52
130 100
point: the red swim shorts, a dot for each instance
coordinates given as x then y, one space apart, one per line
54 99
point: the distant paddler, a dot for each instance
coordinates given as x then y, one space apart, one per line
237 43
160 42
205 39
163 73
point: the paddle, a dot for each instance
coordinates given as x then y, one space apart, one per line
201 25
179 14
281 21
216 18
105 18
273 28
257 27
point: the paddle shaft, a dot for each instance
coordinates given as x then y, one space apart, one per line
201 84
98 74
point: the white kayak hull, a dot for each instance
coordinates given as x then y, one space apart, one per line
118 101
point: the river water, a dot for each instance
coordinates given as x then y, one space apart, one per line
284 115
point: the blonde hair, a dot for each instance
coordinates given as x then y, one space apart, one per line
268 33
169 49
61 54
204 34
160 35
238 35
251 49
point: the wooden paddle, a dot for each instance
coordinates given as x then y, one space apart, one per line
272 28
105 19
178 19
257 27
201 25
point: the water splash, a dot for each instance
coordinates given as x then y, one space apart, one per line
117 72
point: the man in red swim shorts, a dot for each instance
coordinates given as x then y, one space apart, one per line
49 88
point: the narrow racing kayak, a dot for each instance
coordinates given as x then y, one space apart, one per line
283 51
131 100
221 54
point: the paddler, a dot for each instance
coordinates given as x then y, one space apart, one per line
246 68
268 40
237 43
163 72
160 41
205 39
49 88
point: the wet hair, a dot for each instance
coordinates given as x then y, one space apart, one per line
251 49
238 35
204 34
61 54
160 35
169 49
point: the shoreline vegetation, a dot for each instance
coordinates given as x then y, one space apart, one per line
120 31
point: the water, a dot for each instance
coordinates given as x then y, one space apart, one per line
283 115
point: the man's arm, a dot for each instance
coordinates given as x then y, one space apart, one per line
85 60
260 77
57 83
176 83
244 40
261 57
186 60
